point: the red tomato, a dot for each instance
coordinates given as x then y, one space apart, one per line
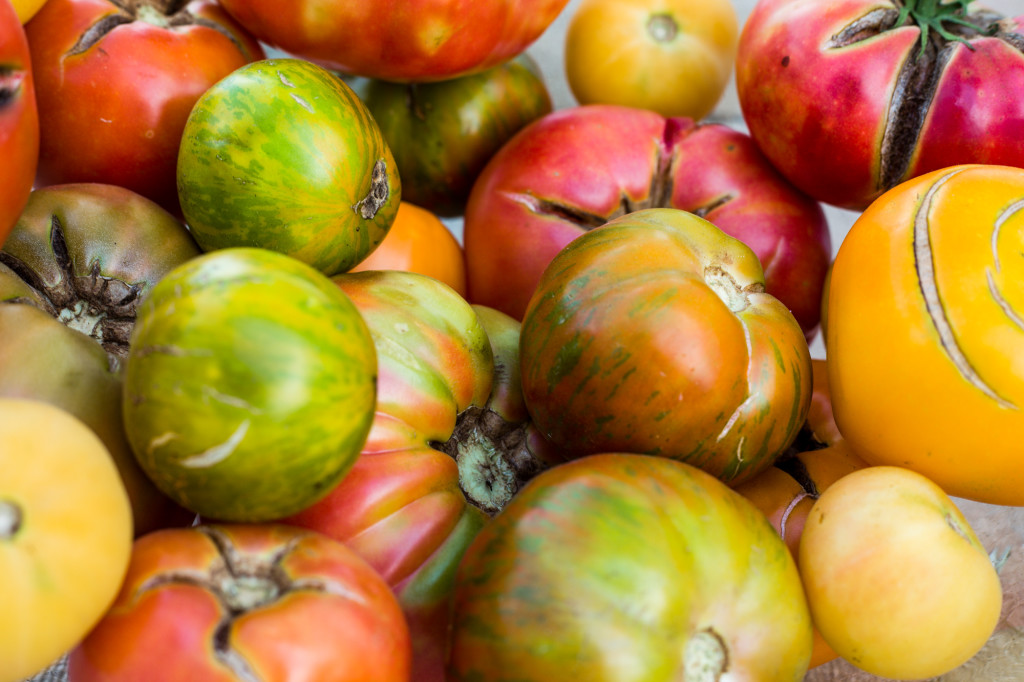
19 123
116 82
266 602
412 40
578 168
852 97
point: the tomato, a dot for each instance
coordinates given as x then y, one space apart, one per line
419 242
19 120
65 534
925 335
848 99
234 602
451 443
116 82
249 387
674 57
72 274
410 41
442 134
282 155
653 334
896 579
578 168
26 9
622 567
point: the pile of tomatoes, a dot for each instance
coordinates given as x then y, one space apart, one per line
263 417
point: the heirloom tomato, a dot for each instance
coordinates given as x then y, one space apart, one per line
654 334
65 534
576 169
408 41
621 568
442 134
895 577
451 443
235 603
674 57
282 155
850 98
249 387
26 9
19 120
419 242
73 272
116 81
925 332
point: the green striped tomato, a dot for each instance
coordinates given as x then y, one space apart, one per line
654 334
628 568
250 385
281 154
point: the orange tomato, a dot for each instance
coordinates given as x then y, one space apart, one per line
897 581
925 331
65 534
674 57
419 242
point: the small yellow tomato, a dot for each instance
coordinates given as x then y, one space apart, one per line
26 9
897 582
925 331
674 57
65 534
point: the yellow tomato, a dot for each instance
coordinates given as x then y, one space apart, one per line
925 331
897 582
674 57
419 242
26 9
65 534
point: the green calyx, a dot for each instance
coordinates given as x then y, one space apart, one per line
930 15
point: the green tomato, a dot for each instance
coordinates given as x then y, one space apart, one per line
250 386
281 154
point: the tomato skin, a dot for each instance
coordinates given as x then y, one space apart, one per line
234 602
608 568
282 155
578 168
674 57
419 242
924 338
19 120
249 387
407 506
819 108
442 134
653 334
114 112
65 534
74 269
410 41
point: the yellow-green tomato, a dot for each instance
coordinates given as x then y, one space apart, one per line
897 582
65 534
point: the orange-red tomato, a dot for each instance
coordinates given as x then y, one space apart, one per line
19 120
674 57
926 331
419 242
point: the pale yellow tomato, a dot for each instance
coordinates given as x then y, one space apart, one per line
674 57
65 534
26 9
898 583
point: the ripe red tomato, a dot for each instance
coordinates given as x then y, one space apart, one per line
852 97
578 168
233 603
654 334
19 123
412 40
116 82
